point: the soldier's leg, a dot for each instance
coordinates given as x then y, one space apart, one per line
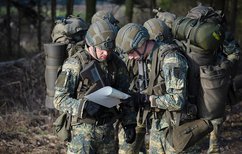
138 144
81 140
104 139
158 142
214 146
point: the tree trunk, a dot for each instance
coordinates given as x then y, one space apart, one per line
19 32
152 6
53 13
90 9
69 7
9 31
129 4
39 25
233 15
218 4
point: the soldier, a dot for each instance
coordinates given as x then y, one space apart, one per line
231 52
105 15
166 67
70 31
92 124
158 31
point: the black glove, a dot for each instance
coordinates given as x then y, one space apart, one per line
92 109
130 133
140 100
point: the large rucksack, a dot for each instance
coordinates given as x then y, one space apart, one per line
69 29
67 38
201 35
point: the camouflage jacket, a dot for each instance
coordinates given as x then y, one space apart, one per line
170 78
69 80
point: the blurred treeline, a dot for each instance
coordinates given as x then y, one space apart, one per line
25 25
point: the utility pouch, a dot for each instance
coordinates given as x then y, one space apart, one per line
187 134
214 91
62 127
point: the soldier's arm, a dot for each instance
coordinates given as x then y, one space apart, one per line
65 87
175 72
122 84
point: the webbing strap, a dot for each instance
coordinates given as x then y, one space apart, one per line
152 72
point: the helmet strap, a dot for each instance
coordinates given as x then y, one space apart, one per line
142 56
95 52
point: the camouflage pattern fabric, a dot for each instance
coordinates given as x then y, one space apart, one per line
138 146
65 101
175 70
87 139
158 143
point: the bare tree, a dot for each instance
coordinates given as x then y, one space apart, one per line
69 7
218 4
152 6
53 13
90 9
39 24
19 32
9 31
129 4
233 15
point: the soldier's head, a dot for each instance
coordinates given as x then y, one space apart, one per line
132 40
69 29
167 17
100 39
104 15
158 30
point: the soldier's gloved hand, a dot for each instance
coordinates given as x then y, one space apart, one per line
130 133
92 108
127 100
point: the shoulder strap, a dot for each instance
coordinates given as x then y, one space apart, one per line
157 63
82 56
152 72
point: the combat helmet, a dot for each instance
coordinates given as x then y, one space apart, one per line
104 15
70 28
101 34
131 36
167 17
157 29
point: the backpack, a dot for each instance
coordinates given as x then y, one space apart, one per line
67 38
201 35
69 29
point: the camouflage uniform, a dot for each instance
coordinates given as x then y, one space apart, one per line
172 70
92 133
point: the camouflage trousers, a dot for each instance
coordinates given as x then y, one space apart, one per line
158 143
92 139
137 146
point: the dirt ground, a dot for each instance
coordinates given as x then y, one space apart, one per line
31 132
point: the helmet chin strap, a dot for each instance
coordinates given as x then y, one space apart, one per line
142 55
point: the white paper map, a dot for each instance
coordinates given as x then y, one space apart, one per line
107 96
